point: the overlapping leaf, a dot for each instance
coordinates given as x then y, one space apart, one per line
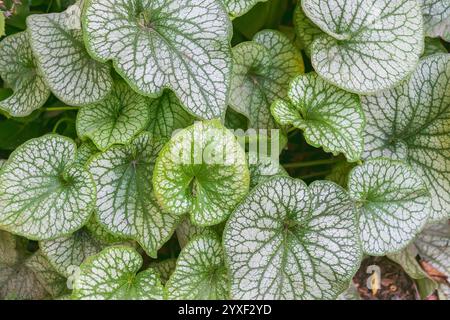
305 29
164 268
436 14
237 8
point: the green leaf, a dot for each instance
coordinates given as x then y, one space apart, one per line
393 204
125 202
305 29
436 15
101 234
331 118
2 24
369 45
176 44
238 8
164 269
291 241
111 275
85 152
114 120
263 169
186 230
19 71
201 171
433 46
262 70
200 273
339 173
410 122
43 195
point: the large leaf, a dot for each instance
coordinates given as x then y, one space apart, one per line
111 275
291 241
262 70
393 204
179 44
43 195
368 45
200 272
114 120
436 14
19 71
72 75
410 122
237 8
201 171
330 117
125 200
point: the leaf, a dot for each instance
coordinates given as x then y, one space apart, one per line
436 15
111 275
201 171
101 234
410 122
72 75
339 173
125 202
263 169
200 273
330 117
369 45
432 46
262 70
164 269
2 25
19 71
407 259
238 8
85 152
114 120
186 230
393 204
290 241
43 195
305 29
176 44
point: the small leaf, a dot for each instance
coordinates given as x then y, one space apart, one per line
19 71
330 117
186 231
238 8
339 173
164 269
263 169
43 195
436 14
85 152
393 204
368 45
201 171
176 44
291 241
305 29
200 272
111 275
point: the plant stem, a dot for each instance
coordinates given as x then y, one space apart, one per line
310 163
65 108
315 174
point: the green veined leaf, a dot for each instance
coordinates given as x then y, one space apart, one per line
125 202
19 71
72 75
85 152
433 46
114 120
262 70
101 234
291 241
339 173
43 195
305 29
164 269
436 15
111 275
263 169
177 44
200 273
238 8
410 122
186 230
331 118
201 171
393 204
369 45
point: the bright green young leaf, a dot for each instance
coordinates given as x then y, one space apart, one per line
237 8
164 268
125 202
43 195
369 45
410 122
305 29
19 71
111 275
331 118
393 204
114 120
177 44
72 75
201 171
262 71
436 14
200 273
433 46
291 241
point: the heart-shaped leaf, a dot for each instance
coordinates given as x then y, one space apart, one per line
177 44
237 8
200 273
19 71
125 200
111 275
331 118
393 204
114 120
72 75
436 14
410 122
201 171
262 70
291 241
43 195
369 45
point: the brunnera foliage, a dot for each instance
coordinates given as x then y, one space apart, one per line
221 149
